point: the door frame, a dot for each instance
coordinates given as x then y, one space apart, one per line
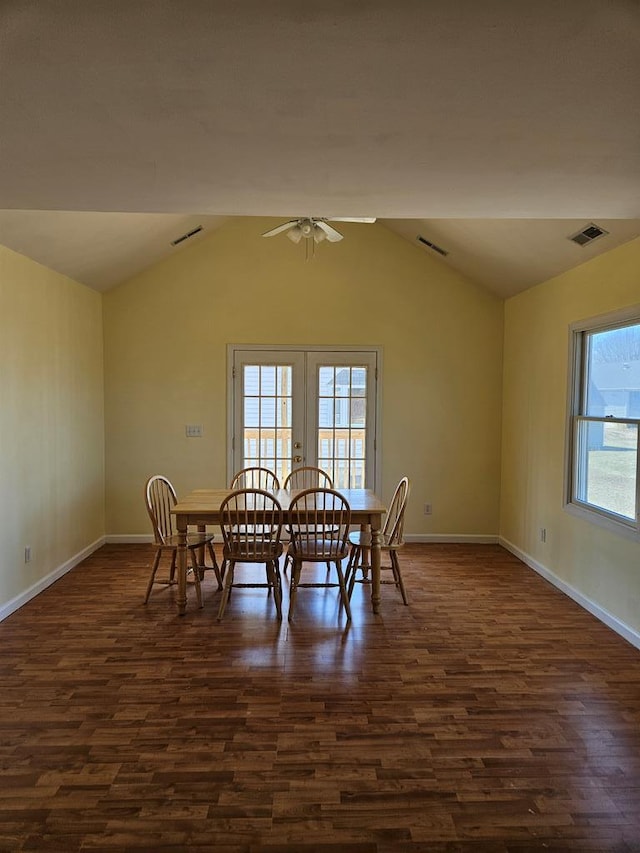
319 348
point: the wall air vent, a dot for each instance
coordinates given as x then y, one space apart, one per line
588 234
186 236
433 246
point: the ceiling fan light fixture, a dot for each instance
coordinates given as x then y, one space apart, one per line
306 227
295 234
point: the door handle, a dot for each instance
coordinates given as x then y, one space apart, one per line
297 458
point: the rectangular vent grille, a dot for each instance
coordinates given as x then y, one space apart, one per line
433 246
588 234
186 236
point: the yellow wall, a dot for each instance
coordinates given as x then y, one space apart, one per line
51 421
166 336
603 567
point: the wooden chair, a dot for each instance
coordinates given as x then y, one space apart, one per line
319 526
251 523
255 478
392 541
160 498
308 477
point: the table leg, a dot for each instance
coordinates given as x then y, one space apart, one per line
182 565
376 539
202 528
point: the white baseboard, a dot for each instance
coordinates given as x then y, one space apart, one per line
16 603
629 634
452 538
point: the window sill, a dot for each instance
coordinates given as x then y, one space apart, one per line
610 524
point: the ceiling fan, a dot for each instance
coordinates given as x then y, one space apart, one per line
316 228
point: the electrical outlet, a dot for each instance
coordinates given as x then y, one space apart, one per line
27 554
428 509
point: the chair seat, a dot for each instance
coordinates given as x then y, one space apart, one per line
255 554
317 550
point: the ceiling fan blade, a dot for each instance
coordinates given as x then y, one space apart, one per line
332 235
280 228
350 219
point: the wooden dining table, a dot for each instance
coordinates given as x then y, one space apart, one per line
201 507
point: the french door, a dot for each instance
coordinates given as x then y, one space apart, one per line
297 407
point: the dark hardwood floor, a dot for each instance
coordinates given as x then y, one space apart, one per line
492 714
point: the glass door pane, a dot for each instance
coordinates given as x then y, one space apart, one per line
266 433
342 413
265 429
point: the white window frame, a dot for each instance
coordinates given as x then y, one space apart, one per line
376 429
629 528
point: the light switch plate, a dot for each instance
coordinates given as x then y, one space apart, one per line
193 430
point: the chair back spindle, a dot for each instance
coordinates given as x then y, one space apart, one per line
255 477
393 528
308 477
160 498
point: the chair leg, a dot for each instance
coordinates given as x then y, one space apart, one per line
172 570
351 574
152 577
343 591
397 574
293 586
274 579
228 581
215 566
350 584
196 576
354 556
278 577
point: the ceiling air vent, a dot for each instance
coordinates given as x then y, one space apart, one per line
186 236
433 246
588 234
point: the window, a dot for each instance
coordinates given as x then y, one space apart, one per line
604 426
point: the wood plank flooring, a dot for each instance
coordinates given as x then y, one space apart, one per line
492 714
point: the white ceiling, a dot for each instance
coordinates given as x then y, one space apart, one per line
494 129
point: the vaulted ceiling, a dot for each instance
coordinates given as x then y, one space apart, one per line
495 130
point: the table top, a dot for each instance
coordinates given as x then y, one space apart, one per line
208 501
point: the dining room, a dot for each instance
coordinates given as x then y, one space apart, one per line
491 711
178 213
